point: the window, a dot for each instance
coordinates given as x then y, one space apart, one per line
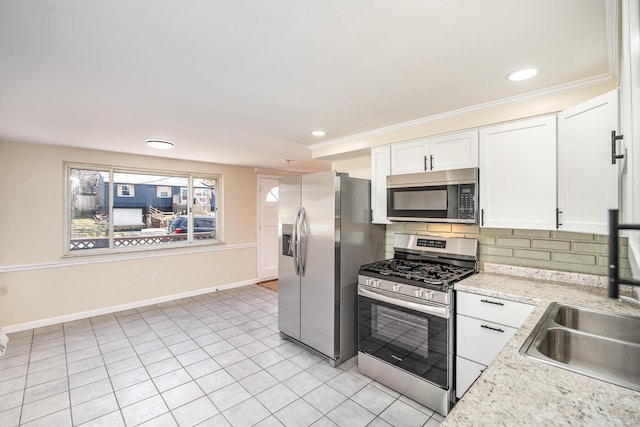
164 192
125 190
273 195
110 209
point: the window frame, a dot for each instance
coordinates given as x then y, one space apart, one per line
190 242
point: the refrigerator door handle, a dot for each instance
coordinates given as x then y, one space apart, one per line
295 237
304 232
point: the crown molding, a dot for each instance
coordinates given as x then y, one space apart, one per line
554 90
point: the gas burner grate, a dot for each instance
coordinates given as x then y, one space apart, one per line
419 271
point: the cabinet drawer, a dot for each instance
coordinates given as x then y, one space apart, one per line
493 309
467 371
480 340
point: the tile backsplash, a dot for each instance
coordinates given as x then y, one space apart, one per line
551 250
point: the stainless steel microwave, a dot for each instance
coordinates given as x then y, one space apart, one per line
439 196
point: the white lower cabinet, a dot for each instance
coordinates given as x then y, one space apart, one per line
484 325
481 340
467 372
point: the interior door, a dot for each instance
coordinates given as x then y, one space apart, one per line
318 285
268 196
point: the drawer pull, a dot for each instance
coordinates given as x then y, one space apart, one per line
491 302
493 329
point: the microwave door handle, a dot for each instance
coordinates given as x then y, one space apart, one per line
427 309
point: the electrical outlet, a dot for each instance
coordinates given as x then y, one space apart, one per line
155 278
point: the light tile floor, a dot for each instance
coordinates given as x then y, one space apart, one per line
212 360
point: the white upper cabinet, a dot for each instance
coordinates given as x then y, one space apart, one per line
451 151
380 168
518 174
587 179
409 156
454 151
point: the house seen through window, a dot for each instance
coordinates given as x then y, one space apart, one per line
112 209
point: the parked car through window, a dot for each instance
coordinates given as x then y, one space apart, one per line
201 224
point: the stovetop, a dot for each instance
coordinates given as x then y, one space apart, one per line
416 272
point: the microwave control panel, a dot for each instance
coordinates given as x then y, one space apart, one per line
466 201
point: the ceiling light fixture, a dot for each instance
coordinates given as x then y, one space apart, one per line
318 133
159 144
519 75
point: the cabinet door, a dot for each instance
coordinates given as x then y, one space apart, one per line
498 310
518 174
467 372
480 340
380 168
454 151
587 181
409 157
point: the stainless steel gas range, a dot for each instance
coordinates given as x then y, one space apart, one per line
405 316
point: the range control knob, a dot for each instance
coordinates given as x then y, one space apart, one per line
419 293
397 287
376 283
428 295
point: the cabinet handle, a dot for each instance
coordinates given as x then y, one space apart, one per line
425 164
615 156
558 223
491 328
481 217
492 302
431 161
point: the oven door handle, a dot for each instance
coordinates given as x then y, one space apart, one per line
423 308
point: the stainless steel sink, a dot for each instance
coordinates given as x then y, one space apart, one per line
599 323
590 342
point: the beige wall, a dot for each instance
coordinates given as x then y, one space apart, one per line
38 283
357 167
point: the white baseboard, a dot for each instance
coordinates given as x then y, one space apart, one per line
106 310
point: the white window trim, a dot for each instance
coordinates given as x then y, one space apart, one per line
189 243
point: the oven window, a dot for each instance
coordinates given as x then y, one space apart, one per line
411 340
420 200
402 330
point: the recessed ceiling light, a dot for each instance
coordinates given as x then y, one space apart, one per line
318 133
159 144
519 75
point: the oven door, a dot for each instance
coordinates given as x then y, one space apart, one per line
411 335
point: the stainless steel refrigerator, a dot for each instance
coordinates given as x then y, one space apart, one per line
325 235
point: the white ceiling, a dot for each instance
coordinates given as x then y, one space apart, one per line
244 82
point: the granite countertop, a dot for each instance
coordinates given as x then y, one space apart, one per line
518 390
